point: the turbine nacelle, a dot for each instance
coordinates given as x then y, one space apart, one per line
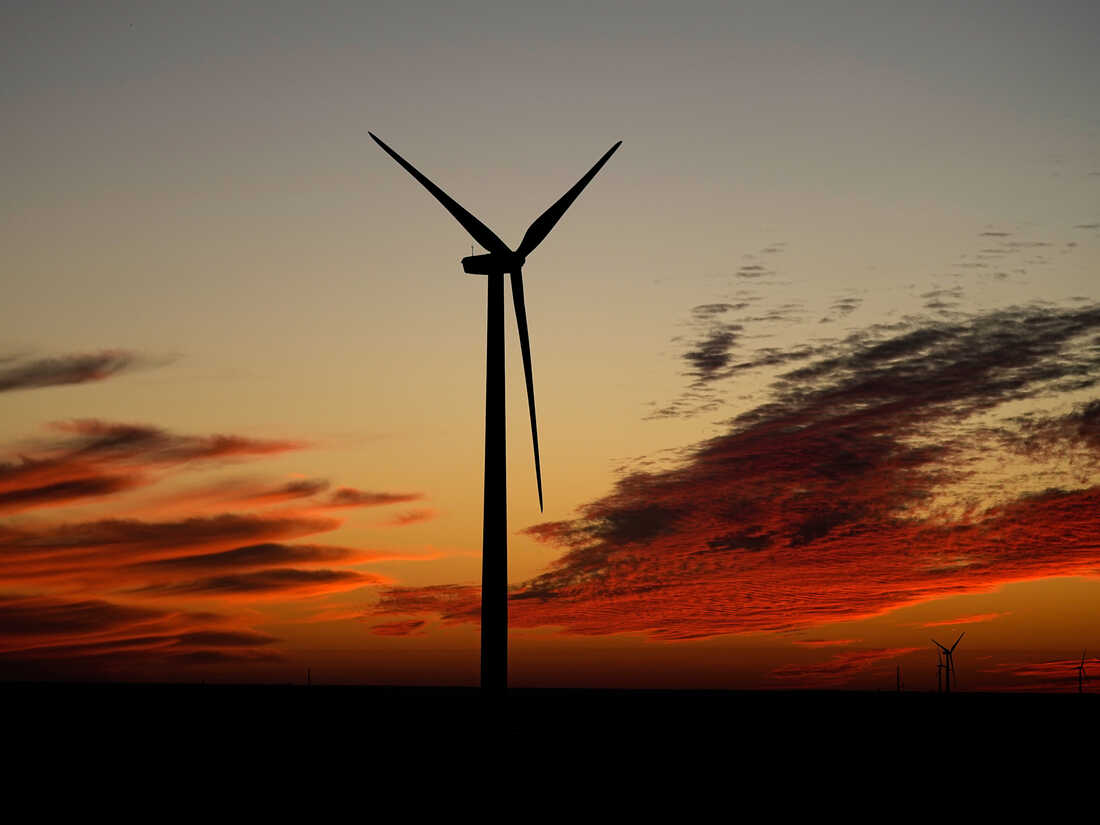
493 263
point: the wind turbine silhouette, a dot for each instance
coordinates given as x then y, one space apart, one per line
948 654
939 672
500 260
1081 675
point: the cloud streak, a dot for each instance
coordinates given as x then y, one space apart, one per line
18 373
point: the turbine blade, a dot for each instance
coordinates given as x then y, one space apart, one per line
525 349
937 644
538 230
957 641
478 231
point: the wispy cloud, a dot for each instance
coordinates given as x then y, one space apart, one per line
413 627
281 582
409 517
350 497
21 373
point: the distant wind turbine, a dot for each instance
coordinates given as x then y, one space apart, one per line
1081 675
500 260
939 672
949 657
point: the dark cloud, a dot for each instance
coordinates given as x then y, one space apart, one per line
17 373
1041 434
943 299
289 491
280 581
95 638
350 497
753 271
455 603
255 555
846 494
712 354
91 438
705 312
409 517
841 307
105 550
120 534
414 627
91 459
29 616
63 492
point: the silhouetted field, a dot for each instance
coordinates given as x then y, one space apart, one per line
138 693
815 731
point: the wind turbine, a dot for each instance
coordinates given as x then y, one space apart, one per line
500 260
1081 675
948 654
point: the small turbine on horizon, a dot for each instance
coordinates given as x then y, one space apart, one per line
1081 675
949 658
500 260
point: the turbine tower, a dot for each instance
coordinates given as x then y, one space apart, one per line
500 260
1081 675
949 657
939 672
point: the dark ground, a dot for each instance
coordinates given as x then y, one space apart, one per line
612 738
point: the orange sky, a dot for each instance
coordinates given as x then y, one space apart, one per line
815 354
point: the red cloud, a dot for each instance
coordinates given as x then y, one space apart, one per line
410 628
266 584
827 503
100 459
120 442
87 585
50 636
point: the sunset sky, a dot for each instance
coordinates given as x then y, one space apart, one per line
816 355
